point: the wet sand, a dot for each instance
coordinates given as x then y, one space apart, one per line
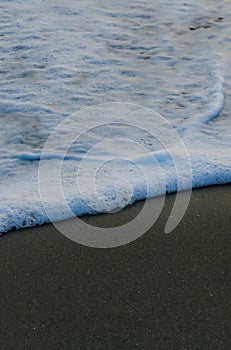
159 292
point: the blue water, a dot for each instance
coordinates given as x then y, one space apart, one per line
124 86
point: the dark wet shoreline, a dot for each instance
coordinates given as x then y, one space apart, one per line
159 292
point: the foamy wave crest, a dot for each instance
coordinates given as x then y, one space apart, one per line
157 59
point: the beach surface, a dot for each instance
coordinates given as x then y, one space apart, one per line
162 291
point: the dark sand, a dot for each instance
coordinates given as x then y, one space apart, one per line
159 292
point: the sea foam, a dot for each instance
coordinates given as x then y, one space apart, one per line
118 101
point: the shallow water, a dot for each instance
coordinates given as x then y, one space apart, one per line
159 75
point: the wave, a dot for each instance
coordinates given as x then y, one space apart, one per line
110 104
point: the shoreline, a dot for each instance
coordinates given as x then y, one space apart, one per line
160 291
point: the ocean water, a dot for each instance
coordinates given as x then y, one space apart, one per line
112 102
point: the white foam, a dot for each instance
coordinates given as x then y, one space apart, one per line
58 59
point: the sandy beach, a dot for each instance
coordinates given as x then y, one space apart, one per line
104 103
159 292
